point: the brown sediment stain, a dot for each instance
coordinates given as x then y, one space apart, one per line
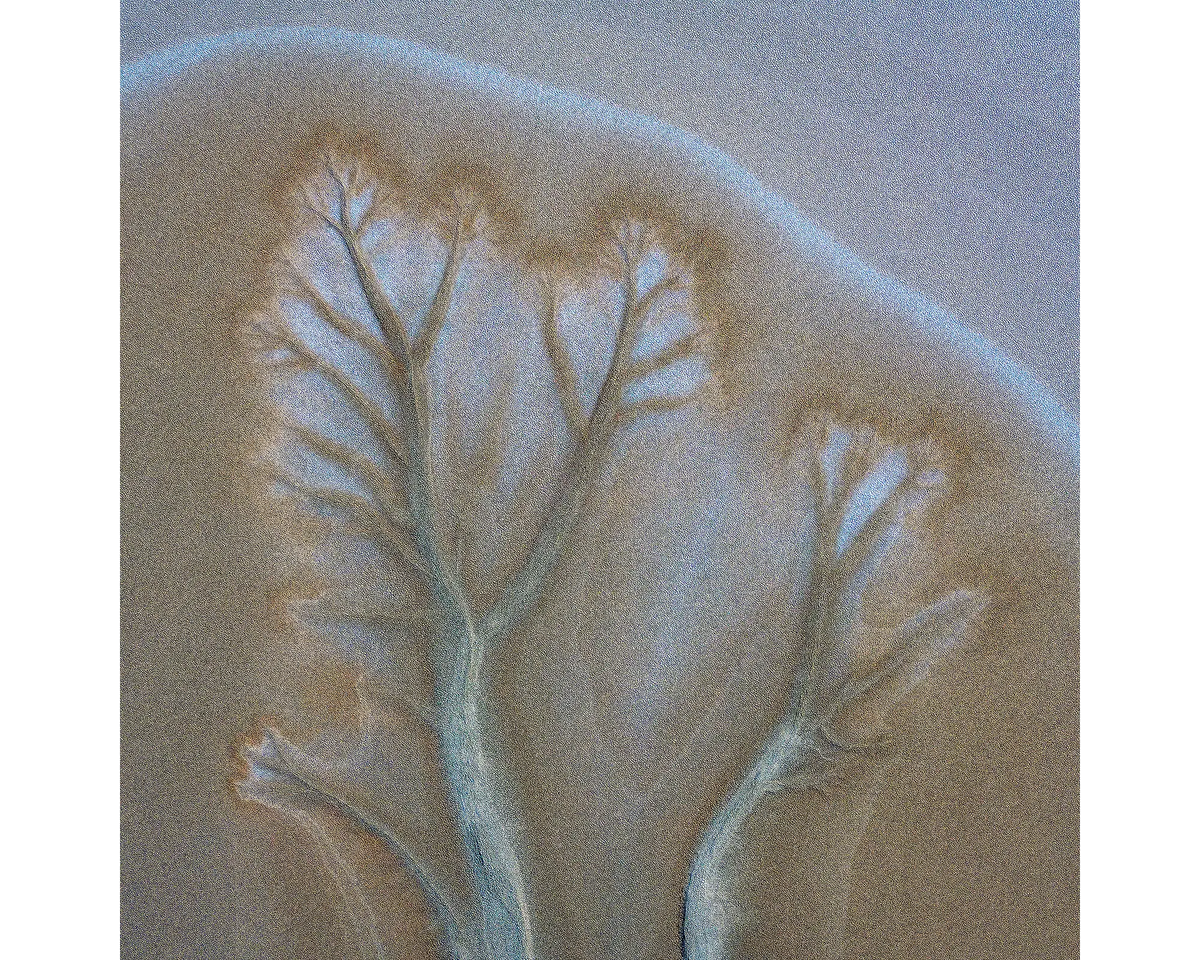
703 249
972 539
326 697
239 762
578 248
697 249
947 552
897 428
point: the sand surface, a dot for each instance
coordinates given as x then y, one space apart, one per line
939 141
635 692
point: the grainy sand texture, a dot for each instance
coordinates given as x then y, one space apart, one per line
541 541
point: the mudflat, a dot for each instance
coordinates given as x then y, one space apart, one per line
540 541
